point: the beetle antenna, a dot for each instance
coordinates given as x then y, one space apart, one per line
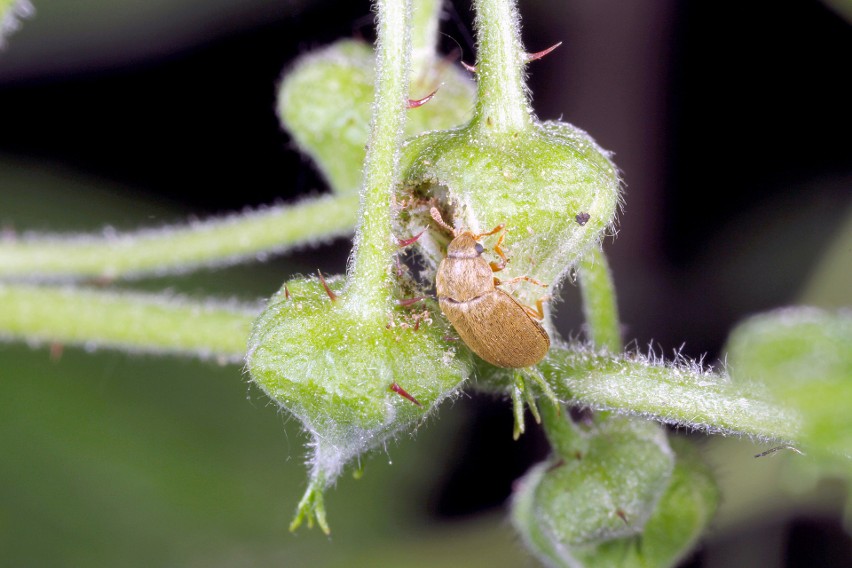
436 215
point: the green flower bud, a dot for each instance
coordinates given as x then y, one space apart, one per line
683 514
552 187
325 102
549 184
11 14
344 372
619 499
804 356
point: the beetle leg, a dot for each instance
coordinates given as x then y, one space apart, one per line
496 229
526 279
498 266
538 311
539 307
534 313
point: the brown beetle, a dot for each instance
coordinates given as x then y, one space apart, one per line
491 322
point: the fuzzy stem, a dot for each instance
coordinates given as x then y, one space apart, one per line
424 35
175 249
679 393
560 431
599 304
502 103
140 323
370 285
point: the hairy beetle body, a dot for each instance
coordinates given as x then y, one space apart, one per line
490 321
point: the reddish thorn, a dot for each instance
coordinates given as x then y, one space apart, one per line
401 392
414 103
408 301
470 68
56 351
621 515
542 53
411 240
557 465
286 292
328 291
416 324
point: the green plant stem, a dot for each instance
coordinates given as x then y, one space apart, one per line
424 35
176 249
369 285
133 322
600 310
502 104
673 393
559 429
599 303
679 393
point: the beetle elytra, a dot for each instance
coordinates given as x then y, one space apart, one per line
494 325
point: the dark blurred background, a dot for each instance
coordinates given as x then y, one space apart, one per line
729 120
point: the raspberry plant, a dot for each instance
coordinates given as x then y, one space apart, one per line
362 357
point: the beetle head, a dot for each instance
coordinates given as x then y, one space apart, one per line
465 245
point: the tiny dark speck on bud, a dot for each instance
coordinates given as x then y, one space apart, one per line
582 218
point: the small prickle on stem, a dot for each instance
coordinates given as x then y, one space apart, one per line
414 103
401 392
539 54
328 291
